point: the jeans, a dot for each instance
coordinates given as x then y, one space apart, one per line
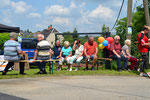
73 58
91 57
87 60
10 64
119 61
41 65
144 62
54 58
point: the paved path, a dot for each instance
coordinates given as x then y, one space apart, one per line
76 88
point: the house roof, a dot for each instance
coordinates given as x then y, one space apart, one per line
47 32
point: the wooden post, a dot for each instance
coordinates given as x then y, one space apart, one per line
129 18
146 11
16 66
147 18
27 66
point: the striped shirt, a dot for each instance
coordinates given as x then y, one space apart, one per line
11 48
43 48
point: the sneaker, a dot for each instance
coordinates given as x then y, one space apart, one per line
138 69
22 73
3 73
124 69
40 72
76 69
59 69
148 73
145 75
119 70
44 72
70 69
86 69
141 74
92 68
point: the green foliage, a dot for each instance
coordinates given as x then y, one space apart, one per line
138 21
121 29
3 38
104 28
75 31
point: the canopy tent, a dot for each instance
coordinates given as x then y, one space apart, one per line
4 28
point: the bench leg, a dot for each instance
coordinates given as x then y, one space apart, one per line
51 67
97 65
111 66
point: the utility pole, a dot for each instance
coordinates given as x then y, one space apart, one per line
146 11
147 19
129 18
129 21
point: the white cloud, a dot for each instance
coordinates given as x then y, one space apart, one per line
57 10
6 20
6 16
40 26
73 5
34 15
4 3
101 12
20 7
61 21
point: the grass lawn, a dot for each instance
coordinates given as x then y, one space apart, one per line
32 73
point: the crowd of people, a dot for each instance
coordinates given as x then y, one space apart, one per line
88 51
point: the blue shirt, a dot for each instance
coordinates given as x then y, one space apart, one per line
57 50
66 52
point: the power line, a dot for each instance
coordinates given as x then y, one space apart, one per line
118 15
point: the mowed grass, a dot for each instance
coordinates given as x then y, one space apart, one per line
101 71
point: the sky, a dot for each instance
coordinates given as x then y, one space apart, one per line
64 15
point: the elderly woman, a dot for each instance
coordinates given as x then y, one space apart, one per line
115 53
79 48
65 53
131 59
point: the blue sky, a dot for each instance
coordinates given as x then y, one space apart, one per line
64 15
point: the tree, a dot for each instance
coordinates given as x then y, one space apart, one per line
104 29
75 31
138 21
3 38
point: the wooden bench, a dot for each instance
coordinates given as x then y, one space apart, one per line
109 59
16 64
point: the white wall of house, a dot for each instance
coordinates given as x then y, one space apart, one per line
51 39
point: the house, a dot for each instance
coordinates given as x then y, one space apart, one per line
49 35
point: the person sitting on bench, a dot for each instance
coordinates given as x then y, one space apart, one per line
78 47
90 51
65 53
12 49
43 52
131 59
115 53
56 50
